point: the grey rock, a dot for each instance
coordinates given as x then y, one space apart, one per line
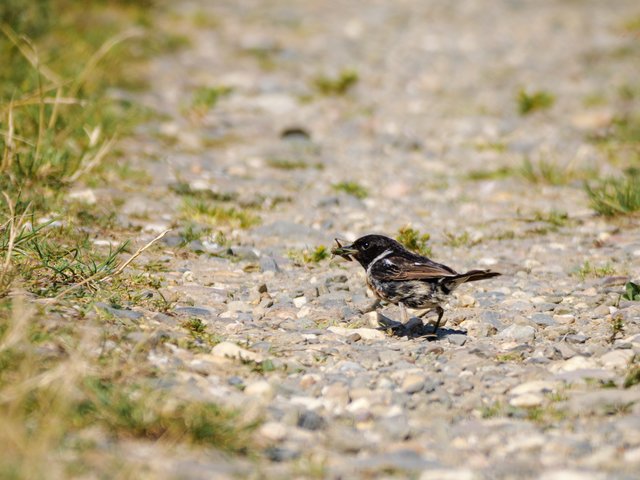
397 461
310 420
244 253
457 339
576 338
543 319
395 428
268 264
119 313
198 312
281 454
518 333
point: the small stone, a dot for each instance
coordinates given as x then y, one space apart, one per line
261 388
354 337
457 339
413 383
194 311
575 363
310 420
543 319
527 400
299 301
244 253
449 474
617 359
601 311
565 319
365 333
565 351
268 264
466 301
273 431
518 333
535 386
233 351
280 454
576 338
118 312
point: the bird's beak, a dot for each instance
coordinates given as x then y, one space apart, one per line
345 251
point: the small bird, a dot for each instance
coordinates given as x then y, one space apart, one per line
404 278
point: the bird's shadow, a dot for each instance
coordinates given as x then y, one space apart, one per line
414 329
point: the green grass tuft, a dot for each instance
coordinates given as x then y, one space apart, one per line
529 102
212 213
351 188
414 240
631 292
587 270
307 257
206 98
338 85
616 195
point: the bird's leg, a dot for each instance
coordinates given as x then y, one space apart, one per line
440 312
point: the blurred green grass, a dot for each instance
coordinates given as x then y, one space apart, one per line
62 100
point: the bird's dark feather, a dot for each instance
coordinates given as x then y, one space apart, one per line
409 267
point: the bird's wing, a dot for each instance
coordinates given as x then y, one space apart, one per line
398 267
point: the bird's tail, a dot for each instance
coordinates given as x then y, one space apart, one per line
470 276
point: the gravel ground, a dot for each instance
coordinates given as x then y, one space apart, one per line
526 378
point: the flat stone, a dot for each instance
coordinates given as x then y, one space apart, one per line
119 312
233 351
268 264
194 311
535 386
261 388
518 333
575 363
457 339
413 383
604 401
619 359
527 400
449 474
275 431
543 319
310 420
365 333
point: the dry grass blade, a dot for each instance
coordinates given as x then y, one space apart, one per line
100 54
13 227
135 255
88 165
31 57
118 270
9 145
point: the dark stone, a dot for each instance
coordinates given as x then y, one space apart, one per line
310 420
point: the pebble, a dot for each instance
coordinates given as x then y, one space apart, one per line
527 400
518 333
457 339
618 359
261 388
233 351
413 384
365 333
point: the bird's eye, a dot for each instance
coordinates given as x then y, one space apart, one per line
365 246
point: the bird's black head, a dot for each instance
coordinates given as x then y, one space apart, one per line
366 249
